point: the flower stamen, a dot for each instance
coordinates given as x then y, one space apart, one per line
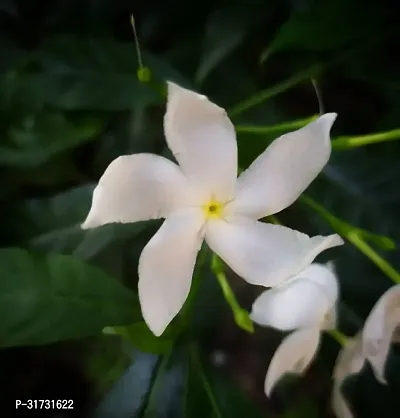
213 210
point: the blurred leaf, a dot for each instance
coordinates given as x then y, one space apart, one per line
225 31
128 395
175 385
277 89
107 359
56 297
83 73
10 7
326 25
368 181
53 224
143 339
156 394
38 138
361 187
132 131
211 395
303 408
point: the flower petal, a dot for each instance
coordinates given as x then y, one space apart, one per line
339 403
203 140
166 267
379 329
137 188
284 170
349 361
330 320
264 254
323 275
298 304
294 355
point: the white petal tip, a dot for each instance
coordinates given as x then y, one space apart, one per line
175 89
328 119
330 265
172 86
335 240
87 225
157 332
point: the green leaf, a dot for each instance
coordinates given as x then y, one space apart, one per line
226 29
10 7
53 224
360 186
106 360
178 384
328 25
139 335
129 394
83 73
209 394
302 408
44 299
39 137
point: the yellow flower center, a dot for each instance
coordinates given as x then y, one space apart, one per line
213 210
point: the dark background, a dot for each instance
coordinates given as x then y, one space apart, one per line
70 103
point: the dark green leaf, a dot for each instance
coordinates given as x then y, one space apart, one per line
209 394
226 29
84 73
327 25
39 137
361 189
144 340
10 7
178 384
53 224
107 359
57 297
127 397
88 73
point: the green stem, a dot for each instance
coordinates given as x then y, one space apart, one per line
279 88
241 316
338 336
282 127
377 259
355 237
274 220
346 142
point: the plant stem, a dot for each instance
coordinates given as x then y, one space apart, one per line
281 127
354 236
338 336
266 94
346 142
241 316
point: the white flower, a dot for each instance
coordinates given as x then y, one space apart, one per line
294 355
306 300
372 343
380 329
349 361
202 198
305 303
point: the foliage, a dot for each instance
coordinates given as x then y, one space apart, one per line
70 102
